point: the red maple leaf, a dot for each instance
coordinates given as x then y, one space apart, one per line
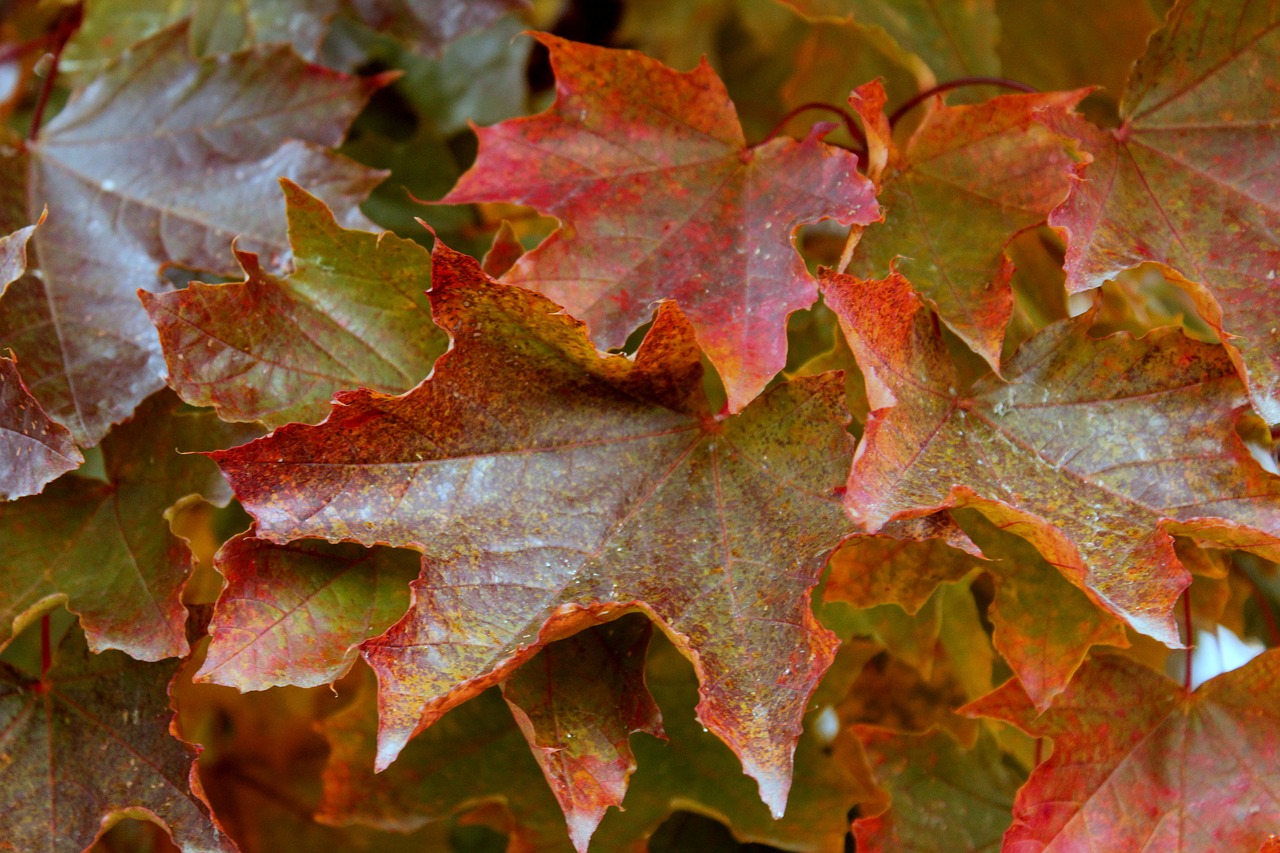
661 198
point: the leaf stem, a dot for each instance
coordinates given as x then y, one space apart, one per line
12 52
66 29
46 647
912 103
1186 617
849 123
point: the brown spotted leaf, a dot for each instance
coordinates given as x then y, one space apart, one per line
1094 450
162 159
968 180
90 743
1191 178
353 314
550 487
34 448
661 198
1175 771
131 597
577 704
297 613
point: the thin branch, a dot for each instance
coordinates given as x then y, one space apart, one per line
66 29
1186 616
849 122
959 82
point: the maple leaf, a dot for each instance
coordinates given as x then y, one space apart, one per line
132 599
162 159
957 38
577 705
274 349
92 742
1073 452
661 198
935 783
1186 180
36 448
969 179
433 778
631 496
295 614
1176 771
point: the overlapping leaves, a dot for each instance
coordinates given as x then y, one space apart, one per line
1189 179
1179 771
549 487
352 314
162 159
661 198
537 488
1073 450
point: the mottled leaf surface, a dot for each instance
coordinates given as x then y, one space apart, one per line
132 598
944 796
549 486
297 613
161 159
353 314
968 180
577 704
957 38
1075 451
660 198
90 742
1191 178
1175 771
34 448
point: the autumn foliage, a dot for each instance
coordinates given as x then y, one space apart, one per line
418 435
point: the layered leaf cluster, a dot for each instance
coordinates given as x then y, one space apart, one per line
672 468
